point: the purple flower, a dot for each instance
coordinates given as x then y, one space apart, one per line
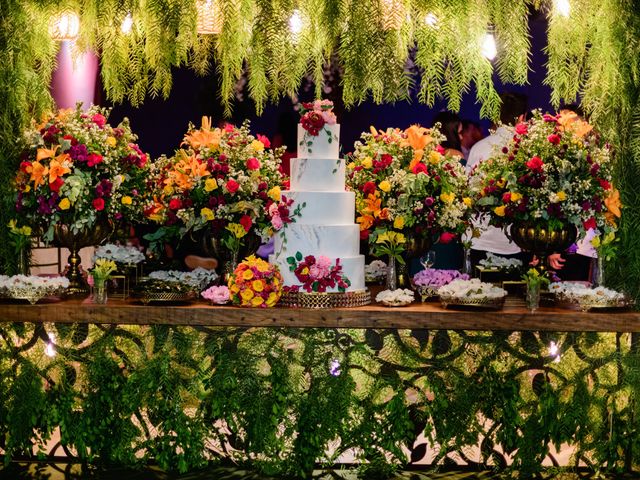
428 201
79 153
435 278
104 188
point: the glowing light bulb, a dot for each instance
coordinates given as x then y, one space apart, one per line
431 20
554 351
50 349
65 26
295 23
489 50
334 367
127 24
562 7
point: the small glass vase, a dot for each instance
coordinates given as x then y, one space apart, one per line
392 278
533 296
229 267
466 262
22 265
100 292
597 271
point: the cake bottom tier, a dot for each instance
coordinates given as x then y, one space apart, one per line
352 268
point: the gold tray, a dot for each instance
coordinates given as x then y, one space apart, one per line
480 303
165 297
587 305
356 298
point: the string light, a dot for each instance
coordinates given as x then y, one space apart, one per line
334 367
489 50
50 350
209 20
127 24
64 26
562 7
295 24
554 351
431 20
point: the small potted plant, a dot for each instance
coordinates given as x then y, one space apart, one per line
534 281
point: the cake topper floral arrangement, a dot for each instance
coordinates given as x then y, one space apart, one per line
221 179
555 170
314 118
78 170
317 274
405 182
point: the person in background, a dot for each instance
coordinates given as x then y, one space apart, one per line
449 125
513 110
469 133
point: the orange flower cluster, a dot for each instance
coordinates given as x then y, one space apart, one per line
255 283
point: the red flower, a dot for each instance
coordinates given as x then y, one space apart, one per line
265 141
550 118
24 166
535 164
447 237
228 127
554 138
312 122
232 186
99 120
175 204
364 234
590 224
246 222
55 186
506 197
419 168
253 163
604 183
440 149
368 188
94 159
522 128
98 204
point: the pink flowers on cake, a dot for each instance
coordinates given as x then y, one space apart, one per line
317 274
317 114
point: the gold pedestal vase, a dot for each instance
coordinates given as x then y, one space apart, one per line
227 259
541 239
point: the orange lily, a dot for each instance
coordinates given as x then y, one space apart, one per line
418 138
44 153
571 122
205 137
38 172
365 221
372 204
63 114
613 205
59 167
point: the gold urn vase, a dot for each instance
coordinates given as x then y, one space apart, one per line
541 239
415 246
64 237
227 259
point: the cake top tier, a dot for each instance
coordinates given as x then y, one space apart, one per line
318 131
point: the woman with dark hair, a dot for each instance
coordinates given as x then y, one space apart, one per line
449 125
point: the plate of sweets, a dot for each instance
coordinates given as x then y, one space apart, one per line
590 298
472 293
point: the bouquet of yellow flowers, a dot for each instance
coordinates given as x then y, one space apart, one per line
255 283
404 181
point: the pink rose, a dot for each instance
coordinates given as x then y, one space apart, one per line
99 120
217 294
535 164
253 163
323 262
329 118
554 138
232 186
276 222
265 140
228 127
94 159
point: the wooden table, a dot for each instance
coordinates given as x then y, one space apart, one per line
513 317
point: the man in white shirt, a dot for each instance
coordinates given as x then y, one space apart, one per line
512 111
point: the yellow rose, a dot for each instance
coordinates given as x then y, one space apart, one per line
247 274
168 190
27 188
398 223
351 166
234 289
262 266
247 294
272 300
515 196
111 141
499 211
501 183
467 201
207 213
400 238
275 194
126 200
447 197
257 285
385 186
434 157
561 196
64 204
367 162
210 184
257 145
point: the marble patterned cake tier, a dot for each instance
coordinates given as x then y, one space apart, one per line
330 240
323 208
322 145
317 174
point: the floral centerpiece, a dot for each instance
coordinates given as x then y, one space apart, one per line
315 116
255 283
472 292
317 274
32 288
555 172
429 280
121 254
79 171
221 181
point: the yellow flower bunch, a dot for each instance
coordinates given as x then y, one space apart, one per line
255 283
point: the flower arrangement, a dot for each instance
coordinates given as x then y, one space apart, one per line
255 283
436 278
218 295
389 243
314 116
317 275
404 181
102 270
555 170
78 171
493 261
121 254
221 179
31 287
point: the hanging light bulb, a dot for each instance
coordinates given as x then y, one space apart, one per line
209 21
562 7
64 26
489 50
127 24
393 14
50 348
295 23
431 20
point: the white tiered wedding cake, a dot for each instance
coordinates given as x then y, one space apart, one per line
325 226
